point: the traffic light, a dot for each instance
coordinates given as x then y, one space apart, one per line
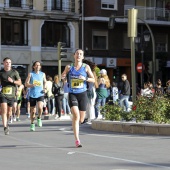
111 23
132 22
61 51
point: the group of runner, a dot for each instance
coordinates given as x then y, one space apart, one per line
78 76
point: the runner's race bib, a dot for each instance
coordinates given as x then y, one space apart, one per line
76 83
37 83
7 90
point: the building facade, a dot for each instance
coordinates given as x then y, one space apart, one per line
103 45
31 29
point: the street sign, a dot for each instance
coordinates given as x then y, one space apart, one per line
139 67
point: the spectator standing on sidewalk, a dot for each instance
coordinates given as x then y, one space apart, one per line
125 93
58 92
91 94
36 81
27 98
50 95
9 78
79 74
115 93
101 91
65 104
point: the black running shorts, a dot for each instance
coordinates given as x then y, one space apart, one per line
79 99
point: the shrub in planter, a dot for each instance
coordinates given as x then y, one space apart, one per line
155 109
112 112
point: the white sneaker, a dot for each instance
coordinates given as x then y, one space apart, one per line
28 116
14 119
10 119
56 117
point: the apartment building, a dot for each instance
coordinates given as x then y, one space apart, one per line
110 48
31 29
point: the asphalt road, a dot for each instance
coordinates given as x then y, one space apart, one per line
52 147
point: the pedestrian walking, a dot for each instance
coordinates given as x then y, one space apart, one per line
36 81
9 78
79 74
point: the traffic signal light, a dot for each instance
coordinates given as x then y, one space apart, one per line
111 23
132 22
61 51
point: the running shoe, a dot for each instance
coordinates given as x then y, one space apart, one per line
10 119
14 119
18 120
39 123
6 130
28 116
32 127
78 144
56 117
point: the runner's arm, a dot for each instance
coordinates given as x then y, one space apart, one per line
45 82
27 81
65 72
90 74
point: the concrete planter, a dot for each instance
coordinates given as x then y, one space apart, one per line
134 128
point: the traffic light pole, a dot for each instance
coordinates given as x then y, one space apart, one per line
61 54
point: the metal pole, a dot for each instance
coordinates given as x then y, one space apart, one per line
133 71
142 52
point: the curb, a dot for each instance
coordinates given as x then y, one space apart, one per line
134 128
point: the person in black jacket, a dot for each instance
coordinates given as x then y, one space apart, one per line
125 93
58 92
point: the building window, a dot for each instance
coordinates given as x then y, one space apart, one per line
14 32
100 40
56 4
161 43
54 32
109 4
15 3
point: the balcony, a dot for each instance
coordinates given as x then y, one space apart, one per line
150 13
22 4
62 5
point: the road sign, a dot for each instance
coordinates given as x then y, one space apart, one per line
139 67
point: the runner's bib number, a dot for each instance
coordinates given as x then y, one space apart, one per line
76 83
37 83
7 90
